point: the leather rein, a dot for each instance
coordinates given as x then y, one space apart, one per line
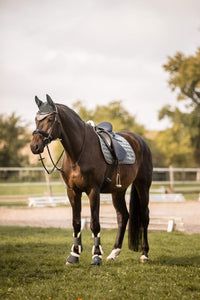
47 138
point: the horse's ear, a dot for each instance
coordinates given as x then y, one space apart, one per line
50 101
38 101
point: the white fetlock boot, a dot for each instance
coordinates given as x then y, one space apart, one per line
113 254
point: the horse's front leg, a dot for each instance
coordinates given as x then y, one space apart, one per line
97 251
75 200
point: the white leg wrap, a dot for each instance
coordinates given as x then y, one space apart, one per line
97 243
79 246
114 254
100 248
97 255
144 258
74 254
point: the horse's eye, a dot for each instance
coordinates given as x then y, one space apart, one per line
50 120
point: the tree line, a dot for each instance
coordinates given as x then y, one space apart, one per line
178 145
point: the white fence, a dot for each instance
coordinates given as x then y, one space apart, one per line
166 177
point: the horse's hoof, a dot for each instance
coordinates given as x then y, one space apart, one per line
109 259
113 254
73 258
144 258
96 260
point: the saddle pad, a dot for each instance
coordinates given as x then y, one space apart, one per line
130 155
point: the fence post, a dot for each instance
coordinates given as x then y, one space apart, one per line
198 175
171 178
50 193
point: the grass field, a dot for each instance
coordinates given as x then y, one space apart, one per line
32 266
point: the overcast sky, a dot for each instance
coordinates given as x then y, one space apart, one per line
95 51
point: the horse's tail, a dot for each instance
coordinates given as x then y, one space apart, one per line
135 225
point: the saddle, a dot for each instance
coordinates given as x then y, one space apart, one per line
105 131
116 150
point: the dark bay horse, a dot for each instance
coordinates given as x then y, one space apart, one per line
84 170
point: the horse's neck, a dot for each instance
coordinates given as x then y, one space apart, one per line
72 133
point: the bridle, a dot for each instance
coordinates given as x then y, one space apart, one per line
47 138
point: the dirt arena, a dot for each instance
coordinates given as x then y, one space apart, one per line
61 217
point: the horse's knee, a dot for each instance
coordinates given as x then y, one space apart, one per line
95 227
77 227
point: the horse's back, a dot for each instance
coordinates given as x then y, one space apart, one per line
136 141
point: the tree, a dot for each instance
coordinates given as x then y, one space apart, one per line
13 139
184 75
175 142
114 112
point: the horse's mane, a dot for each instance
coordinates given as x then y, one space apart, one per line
67 110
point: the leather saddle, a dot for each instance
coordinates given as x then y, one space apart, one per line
105 131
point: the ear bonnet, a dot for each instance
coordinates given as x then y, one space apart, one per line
45 108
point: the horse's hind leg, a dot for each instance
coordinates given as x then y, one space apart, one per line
122 218
143 194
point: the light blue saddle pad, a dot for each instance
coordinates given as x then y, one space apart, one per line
130 155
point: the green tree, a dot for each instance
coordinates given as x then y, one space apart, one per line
184 76
13 139
114 112
175 142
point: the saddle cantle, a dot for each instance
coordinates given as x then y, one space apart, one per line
114 147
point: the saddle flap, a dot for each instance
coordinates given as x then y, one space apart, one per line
119 150
106 137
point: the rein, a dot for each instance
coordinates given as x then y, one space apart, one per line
54 164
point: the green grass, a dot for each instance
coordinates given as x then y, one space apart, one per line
23 192
32 266
30 189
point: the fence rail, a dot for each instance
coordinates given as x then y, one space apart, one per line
36 176
169 175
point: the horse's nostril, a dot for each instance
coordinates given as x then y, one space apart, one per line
35 148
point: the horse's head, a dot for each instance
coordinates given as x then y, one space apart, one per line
47 128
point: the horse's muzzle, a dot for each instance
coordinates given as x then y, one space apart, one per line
36 146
